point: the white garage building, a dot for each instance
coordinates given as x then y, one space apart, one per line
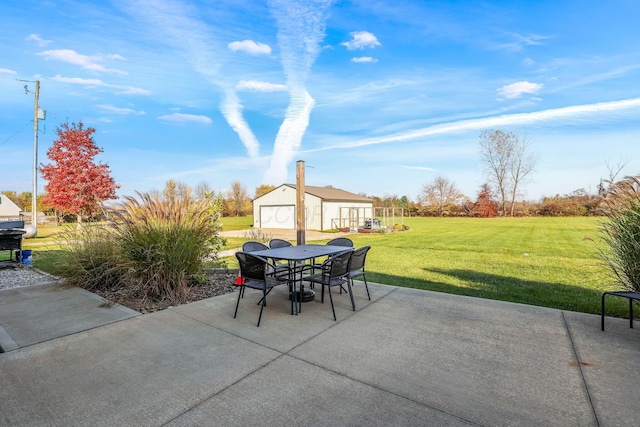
326 208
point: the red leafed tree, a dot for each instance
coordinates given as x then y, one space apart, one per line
486 206
75 184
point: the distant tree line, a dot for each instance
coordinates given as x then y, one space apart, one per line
75 192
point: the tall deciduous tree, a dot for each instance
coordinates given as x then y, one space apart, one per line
507 164
237 199
204 191
175 190
263 189
76 184
439 195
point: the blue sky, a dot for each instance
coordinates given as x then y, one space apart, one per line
377 97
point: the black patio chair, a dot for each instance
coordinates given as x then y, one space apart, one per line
356 267
279 269
257 273
333 273
341 241
252 246
279 243
338 241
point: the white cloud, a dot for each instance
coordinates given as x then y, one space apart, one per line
250 47
121 90
7 71
515 90
86 62
130 90
79 81
39 41
185 118
564 113
114 56
121 111
364 59
519 41
257 86
361 39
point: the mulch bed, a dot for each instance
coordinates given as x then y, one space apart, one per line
220 283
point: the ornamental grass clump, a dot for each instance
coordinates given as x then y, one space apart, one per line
621 233
90 258
154 248
164 241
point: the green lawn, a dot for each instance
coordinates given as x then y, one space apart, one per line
548 262
230 223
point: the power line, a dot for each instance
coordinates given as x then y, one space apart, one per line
21 129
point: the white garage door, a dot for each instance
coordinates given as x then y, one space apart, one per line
278 216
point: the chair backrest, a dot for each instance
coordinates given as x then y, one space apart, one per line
339 264
341 241
358 258
252 267
279 243
253 246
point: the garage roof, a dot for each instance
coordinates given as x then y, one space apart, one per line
332 194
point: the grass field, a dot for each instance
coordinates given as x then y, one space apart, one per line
548 262
230 223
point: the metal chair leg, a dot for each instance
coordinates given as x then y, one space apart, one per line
366 286
353 303
238 303
264 302
332 309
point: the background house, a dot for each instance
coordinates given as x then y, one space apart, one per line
326 208
8 210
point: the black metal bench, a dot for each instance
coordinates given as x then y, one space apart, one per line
630 295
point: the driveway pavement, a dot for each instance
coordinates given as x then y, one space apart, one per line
407 357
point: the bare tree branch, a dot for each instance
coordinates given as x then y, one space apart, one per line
507 164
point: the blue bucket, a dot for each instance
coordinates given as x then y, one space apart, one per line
25 254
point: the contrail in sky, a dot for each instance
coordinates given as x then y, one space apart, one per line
492 122
231 109
301 25
205 53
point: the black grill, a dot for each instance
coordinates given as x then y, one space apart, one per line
11 239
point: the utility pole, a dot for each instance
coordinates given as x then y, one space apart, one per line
34 193
300 211
38 114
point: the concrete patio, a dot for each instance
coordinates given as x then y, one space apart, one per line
408 357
